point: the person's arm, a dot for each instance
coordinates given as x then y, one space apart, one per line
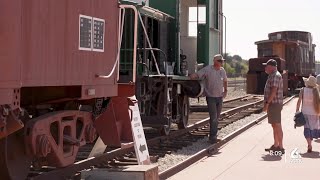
194 76
299 101
198 75
225 86
273 93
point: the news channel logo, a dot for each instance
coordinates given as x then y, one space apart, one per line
293 157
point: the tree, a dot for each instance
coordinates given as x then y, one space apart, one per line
227 57
237 58
235 65
229 69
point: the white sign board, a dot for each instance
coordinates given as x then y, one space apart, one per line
140 143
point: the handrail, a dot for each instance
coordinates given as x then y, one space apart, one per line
123 7
149 43
157 49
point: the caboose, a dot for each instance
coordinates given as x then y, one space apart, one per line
294 53
59 64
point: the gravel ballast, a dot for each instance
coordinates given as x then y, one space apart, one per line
176 157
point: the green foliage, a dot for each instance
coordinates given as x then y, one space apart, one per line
237 58
227 57
244 67
229 69
235 64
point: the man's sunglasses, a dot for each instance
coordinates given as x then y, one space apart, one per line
220 61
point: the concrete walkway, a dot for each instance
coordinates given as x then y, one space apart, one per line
245 158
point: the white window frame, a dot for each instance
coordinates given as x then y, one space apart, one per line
202 19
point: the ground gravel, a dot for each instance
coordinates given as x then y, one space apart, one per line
172 159
233 92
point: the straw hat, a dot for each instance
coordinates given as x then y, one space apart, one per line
310 82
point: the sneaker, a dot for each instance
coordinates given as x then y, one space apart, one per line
270 148
277 151
282 150
213 141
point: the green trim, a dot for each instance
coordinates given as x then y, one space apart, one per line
204 39
171 7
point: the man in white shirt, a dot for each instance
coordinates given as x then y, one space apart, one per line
215 90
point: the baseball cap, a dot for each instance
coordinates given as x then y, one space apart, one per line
218 57
270 62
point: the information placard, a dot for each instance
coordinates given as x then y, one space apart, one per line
140 143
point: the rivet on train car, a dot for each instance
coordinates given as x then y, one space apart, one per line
91 92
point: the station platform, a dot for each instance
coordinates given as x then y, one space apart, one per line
245 158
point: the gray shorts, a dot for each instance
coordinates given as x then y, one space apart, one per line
274 113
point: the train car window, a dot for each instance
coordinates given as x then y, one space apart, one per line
91 33
98 34
85 39
194 19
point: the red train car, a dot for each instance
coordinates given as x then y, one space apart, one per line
59 68
58 43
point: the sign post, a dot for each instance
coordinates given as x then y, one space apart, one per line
140 143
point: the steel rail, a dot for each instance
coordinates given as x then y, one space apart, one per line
204 108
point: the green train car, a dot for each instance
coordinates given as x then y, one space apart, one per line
174 38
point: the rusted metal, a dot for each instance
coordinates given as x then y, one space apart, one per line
9 121
159 147
14 162
291 35
57 136
44 68
114 124
10 96
255 64
126 90
295 48
256 77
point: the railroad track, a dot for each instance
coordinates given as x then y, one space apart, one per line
233 110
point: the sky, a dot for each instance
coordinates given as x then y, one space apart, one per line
249 21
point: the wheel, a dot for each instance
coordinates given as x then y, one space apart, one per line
184 111
14 162
165 129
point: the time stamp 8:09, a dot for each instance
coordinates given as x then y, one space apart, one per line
275 153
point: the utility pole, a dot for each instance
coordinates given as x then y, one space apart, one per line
225 32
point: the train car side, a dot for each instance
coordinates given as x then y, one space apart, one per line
58 83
